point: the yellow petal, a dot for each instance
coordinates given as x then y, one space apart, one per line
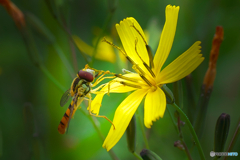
154 106
115 87
167 37
182 66
122 117
104 51
128 36
82 46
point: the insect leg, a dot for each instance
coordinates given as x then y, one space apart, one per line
100 79
90 112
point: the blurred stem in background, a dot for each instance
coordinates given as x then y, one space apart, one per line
191 99
234 138
35 141
56 9
207 86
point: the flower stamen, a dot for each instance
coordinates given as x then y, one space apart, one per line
145 64
147 47
126 78
135 66
126 84
139 33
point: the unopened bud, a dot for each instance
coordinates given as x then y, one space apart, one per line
211 72
147 154
179 145
221 132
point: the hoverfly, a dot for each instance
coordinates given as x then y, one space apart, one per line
80 89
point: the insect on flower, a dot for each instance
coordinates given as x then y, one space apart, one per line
81 88
149 77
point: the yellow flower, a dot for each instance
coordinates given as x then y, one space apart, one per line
150 76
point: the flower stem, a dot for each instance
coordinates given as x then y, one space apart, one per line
234 139
191 130
137 156
179 132
111 152
173 121
142 129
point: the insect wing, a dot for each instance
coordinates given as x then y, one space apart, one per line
70 115
72 110
65 97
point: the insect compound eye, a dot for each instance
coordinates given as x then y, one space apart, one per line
88 76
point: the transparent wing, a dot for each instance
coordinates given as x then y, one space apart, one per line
72 109
65 97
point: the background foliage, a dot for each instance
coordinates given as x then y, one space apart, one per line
29 101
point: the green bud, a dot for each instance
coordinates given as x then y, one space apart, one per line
221 132
147 154
131 135
169 94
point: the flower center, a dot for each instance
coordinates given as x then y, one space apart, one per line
153 88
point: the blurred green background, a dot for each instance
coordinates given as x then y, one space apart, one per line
29 101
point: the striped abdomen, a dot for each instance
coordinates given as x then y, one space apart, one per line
64 121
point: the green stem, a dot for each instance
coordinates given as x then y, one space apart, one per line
173 121
191 130
142 129
137 156
111 153
234 139
56 16
49 75
180 135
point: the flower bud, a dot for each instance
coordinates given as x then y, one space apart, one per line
179 145
147 154
221 132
